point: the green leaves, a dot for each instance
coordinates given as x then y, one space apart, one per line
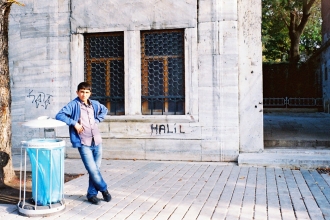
276 23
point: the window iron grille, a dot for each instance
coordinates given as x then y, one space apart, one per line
104 69
162 59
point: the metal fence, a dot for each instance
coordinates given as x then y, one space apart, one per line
292 102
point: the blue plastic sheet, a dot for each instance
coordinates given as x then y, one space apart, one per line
47 174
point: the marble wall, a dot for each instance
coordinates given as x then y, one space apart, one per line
39 59
222 74
250 76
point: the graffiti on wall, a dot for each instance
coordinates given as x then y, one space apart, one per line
39 98
162 129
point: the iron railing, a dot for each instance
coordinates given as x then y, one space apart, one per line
287 102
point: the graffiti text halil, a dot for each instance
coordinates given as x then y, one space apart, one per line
162 129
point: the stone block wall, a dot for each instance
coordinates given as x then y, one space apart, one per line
250 76
222 74
39 59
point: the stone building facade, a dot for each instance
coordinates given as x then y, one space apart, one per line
215 72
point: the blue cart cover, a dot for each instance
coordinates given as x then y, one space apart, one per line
47 172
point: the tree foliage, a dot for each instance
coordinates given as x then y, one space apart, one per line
291 29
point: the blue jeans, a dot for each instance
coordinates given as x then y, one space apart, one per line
92 157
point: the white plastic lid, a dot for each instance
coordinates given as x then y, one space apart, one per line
43 143
44 122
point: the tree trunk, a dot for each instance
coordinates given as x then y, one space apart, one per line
6 167
294 49
297 25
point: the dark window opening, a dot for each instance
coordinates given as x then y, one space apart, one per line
163 88
104 69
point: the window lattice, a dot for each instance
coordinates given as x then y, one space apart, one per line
104 69
163 72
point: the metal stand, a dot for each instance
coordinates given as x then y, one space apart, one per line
30 207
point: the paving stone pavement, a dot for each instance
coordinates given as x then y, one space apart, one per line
194 190
297 126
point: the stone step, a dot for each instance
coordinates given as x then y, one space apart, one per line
305 151
296 143
287 158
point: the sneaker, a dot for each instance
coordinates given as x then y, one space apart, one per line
106 196
94 200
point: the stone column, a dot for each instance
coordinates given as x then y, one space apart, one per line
250 76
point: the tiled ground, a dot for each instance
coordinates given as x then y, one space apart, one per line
194 190
297 126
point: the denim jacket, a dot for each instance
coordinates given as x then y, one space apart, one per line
70 114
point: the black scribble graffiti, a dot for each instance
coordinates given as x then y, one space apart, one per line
30 134
40 99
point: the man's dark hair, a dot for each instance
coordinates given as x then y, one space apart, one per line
84 85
